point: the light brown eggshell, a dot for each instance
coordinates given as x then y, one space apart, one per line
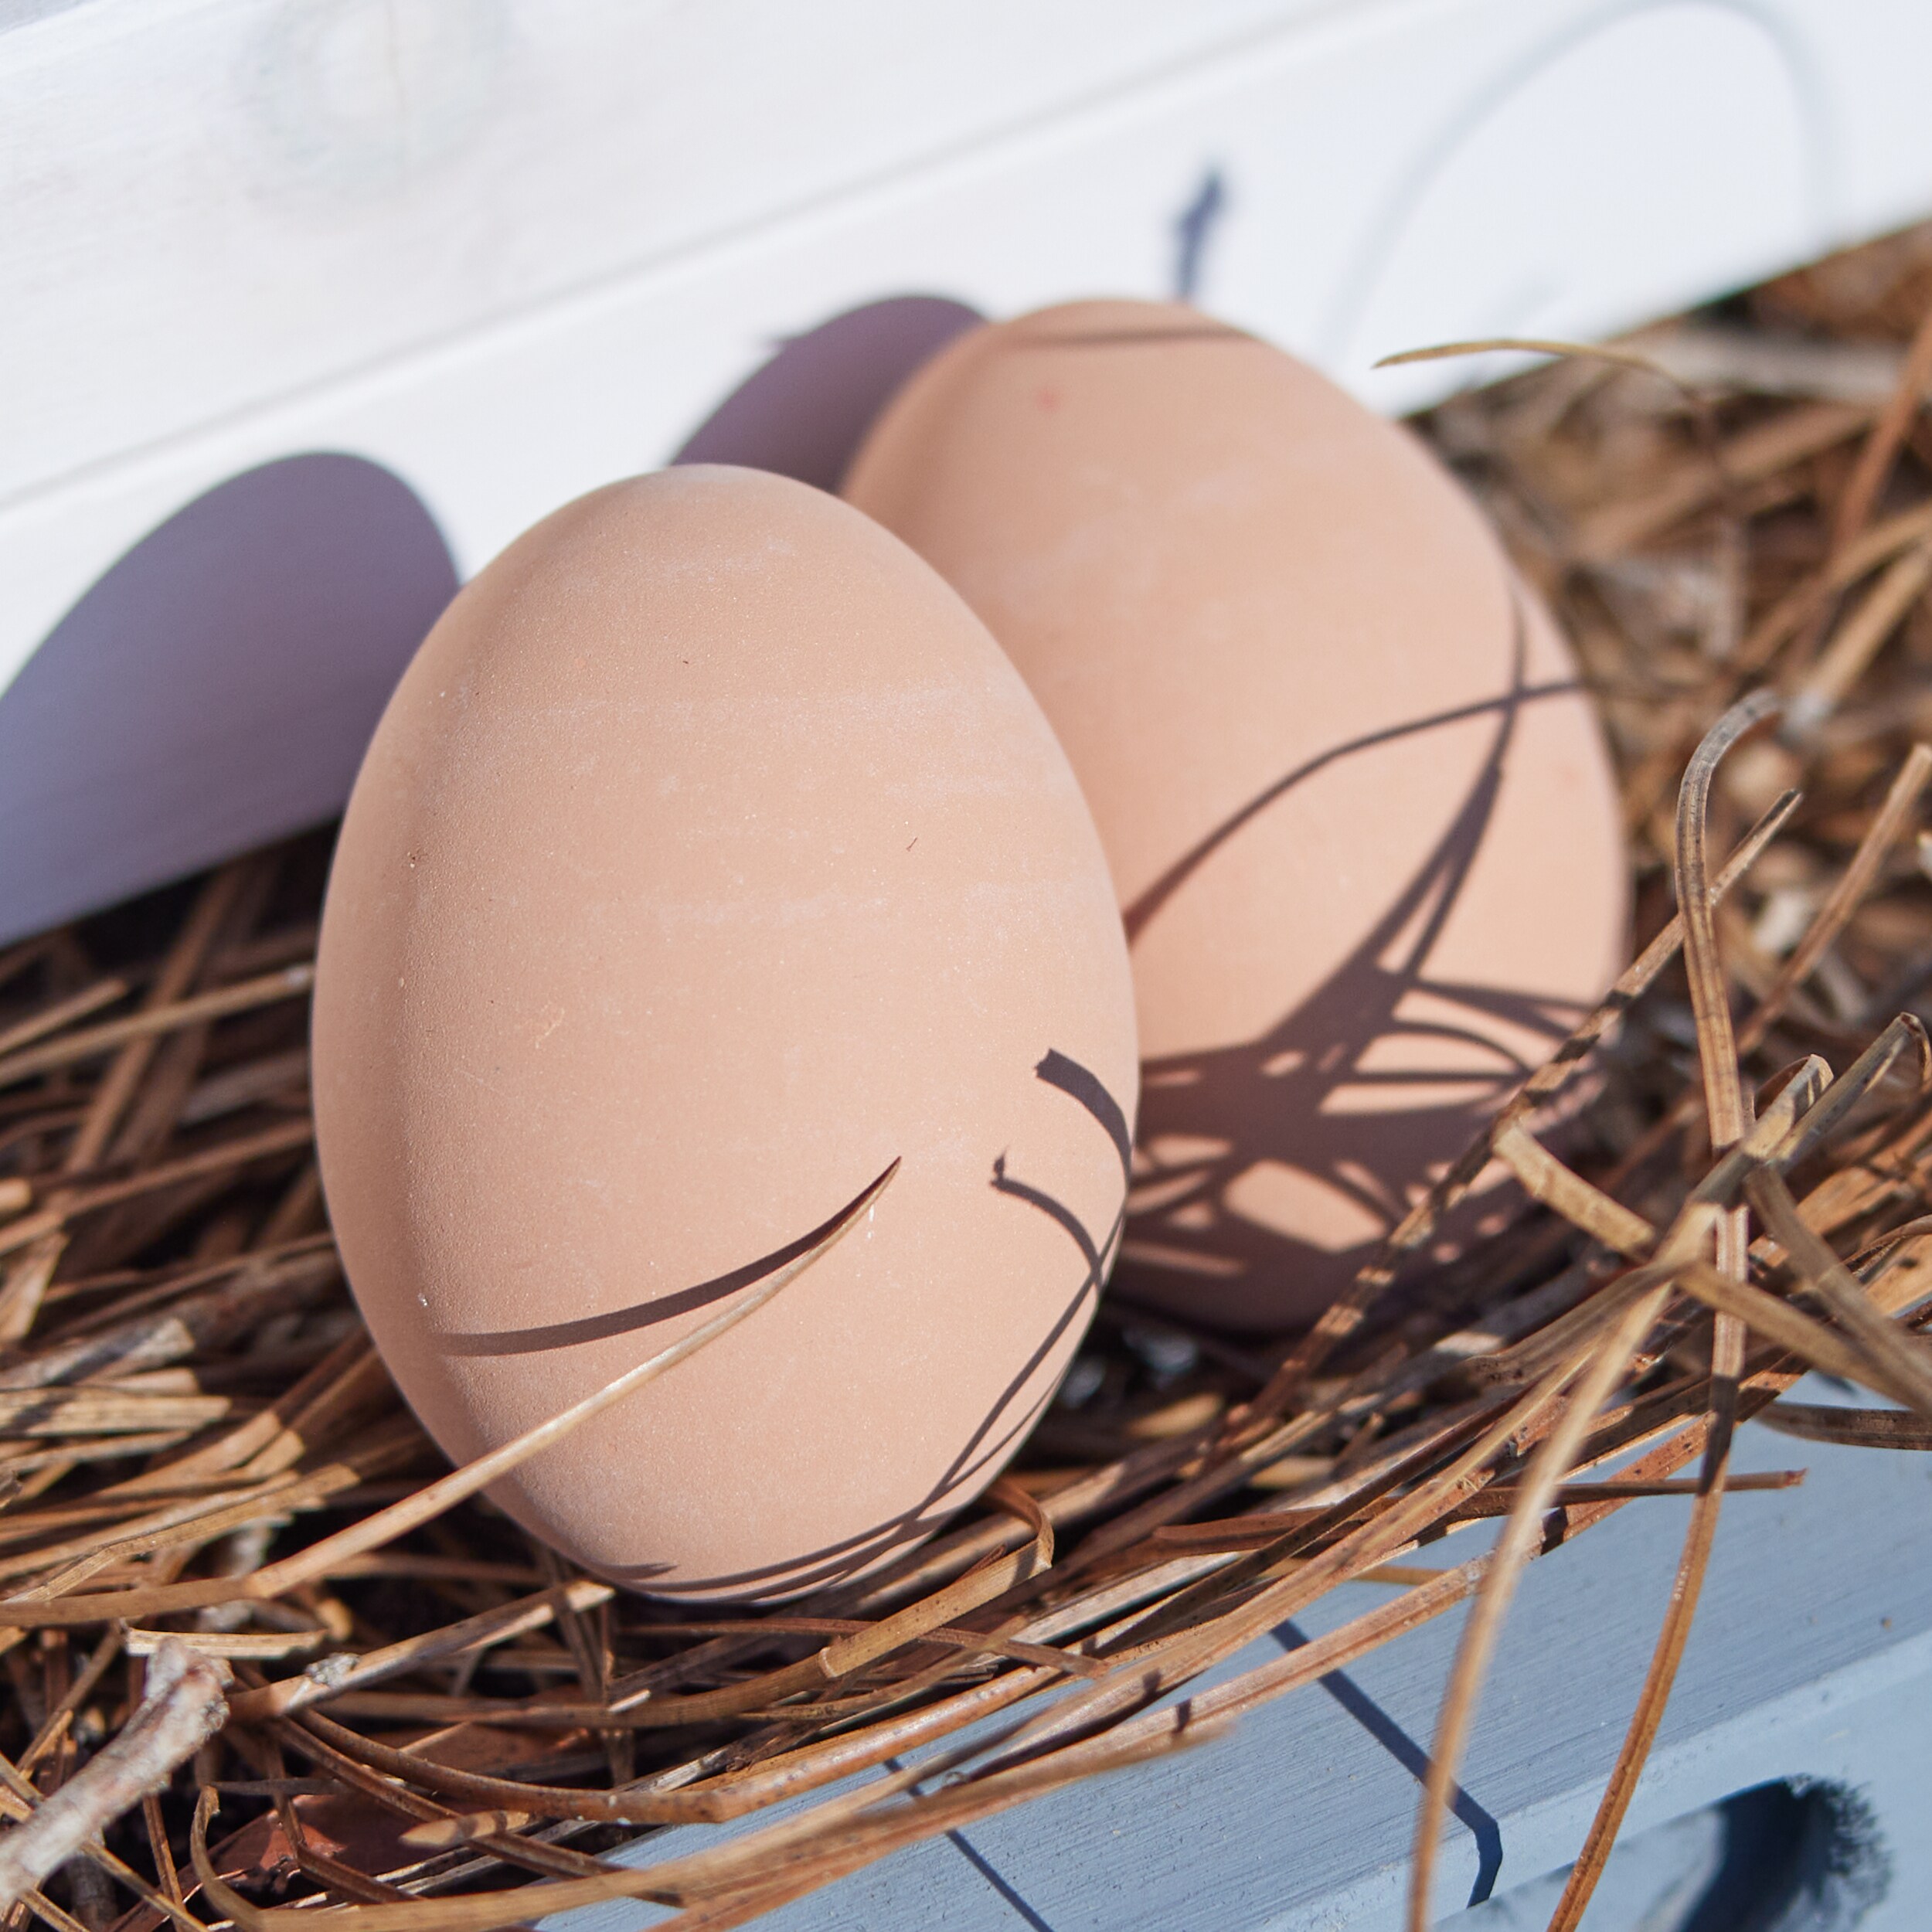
709 857
1359 816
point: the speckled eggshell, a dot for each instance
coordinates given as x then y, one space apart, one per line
1359 816
709 857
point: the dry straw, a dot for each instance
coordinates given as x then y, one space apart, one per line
223 1541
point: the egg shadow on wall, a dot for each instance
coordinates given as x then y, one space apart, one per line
803 412
1300 1109
216 688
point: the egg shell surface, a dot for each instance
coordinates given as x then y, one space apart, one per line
1357 810
709 857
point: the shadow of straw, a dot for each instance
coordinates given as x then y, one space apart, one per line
1012 1415
1271 1101
1413 1759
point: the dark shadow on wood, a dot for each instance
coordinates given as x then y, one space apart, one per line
1795 1858
985 1868
1413 1759
1193 229
990 1873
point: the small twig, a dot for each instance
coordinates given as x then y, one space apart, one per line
62 1012
1857 642
183 1708
386 1524
292 982
51 1219
1880 450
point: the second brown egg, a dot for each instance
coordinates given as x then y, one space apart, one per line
1357 807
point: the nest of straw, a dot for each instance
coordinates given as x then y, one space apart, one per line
266 1649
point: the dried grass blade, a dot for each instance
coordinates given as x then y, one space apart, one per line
1729 1115
344 1770
254 1644
1851 1428
1257 1532
846 1655
1545 1179
1881 447
27 1281
1857 641
1789 1328
204 1321
159 1850
956 1639
50 1914
673 1882
336 1675
276 1438
61 1013
1417 1455
1344 1315
1753 455
1658 1681
214 905
289 982
386 1524
1825 1114
1844 898
318 1736
288 1138
1112 1484
1710 1000
1903 1359
182 1710
1685 1587
1630 359
78 1692
1174 1660
1003 1493
1536 1493
92 1411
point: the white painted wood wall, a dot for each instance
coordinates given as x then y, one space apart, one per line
507 250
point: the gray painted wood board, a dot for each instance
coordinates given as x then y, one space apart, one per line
1811 1659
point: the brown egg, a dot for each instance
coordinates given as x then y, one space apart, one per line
1357 812
710 857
